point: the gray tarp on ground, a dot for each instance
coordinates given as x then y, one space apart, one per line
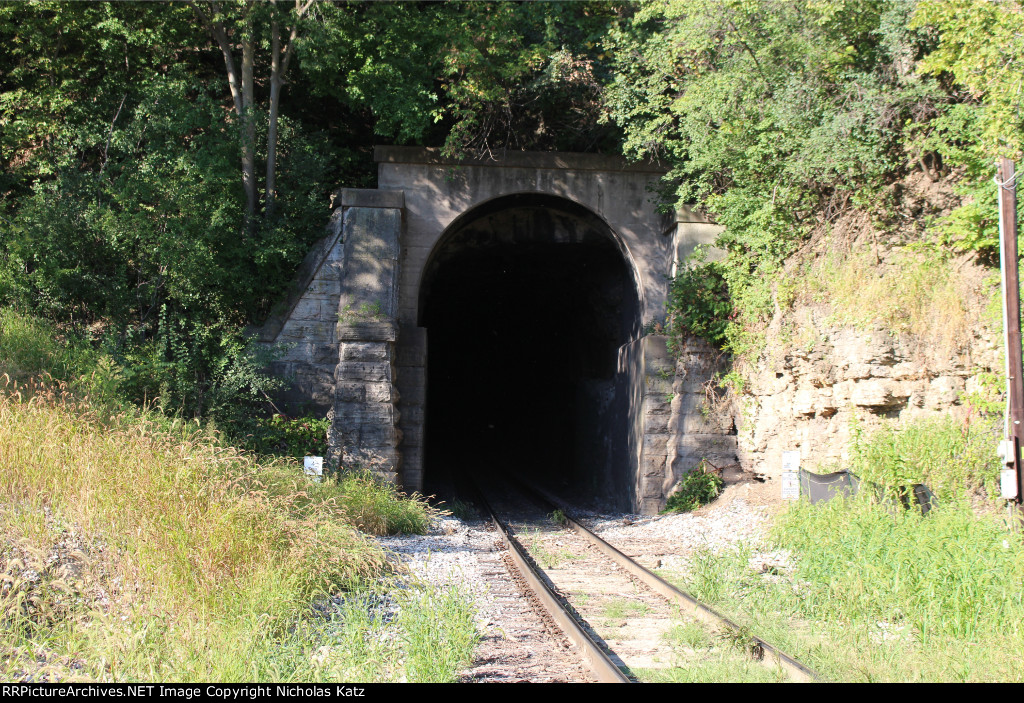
819 487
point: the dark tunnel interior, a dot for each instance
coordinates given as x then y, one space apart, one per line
526 304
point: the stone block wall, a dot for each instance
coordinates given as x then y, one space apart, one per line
364 419
678 426
339 331
305 327
355 351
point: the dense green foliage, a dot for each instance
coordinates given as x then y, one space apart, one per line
776 118
952 458
699 303
134 208
296 437
158 209
772 116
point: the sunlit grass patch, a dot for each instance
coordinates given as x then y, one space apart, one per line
619 608
950 572
918 292
699 656
878 593
131 552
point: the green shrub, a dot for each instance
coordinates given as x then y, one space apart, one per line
202 371
698 303
286 436
30 347
952 458
696 489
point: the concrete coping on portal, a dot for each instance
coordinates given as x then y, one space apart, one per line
369 197
515 159
367 332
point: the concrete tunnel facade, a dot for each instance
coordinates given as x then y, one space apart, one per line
498 315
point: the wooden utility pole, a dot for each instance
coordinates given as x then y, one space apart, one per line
1011 315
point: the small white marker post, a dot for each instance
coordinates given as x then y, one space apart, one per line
1008 474
313 466
790 475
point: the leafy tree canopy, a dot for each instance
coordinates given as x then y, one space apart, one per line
167 165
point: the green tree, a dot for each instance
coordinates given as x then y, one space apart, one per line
239 24
160 182
979 55
528 76
773 117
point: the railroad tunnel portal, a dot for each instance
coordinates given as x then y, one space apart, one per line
501 313
527 301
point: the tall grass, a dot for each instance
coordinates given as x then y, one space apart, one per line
873 591
32 348
956 460
375 505
195 513
950 572
875 595
130 550
428 639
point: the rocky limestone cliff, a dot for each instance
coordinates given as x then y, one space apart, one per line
804 395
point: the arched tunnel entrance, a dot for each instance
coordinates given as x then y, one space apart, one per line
527 301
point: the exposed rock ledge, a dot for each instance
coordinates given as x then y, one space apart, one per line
805 398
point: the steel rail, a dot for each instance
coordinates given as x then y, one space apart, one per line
601 665
778 658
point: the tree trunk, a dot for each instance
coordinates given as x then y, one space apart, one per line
276 80
241 95
280 57
248 122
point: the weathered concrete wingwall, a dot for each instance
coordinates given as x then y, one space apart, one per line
357 349
339 331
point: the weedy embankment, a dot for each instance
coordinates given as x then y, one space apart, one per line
866 589
135 548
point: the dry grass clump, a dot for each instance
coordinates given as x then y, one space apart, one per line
154 546
375 505
195 513
917 293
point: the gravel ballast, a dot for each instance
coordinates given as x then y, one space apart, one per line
515 643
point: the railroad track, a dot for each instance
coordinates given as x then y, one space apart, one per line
565 593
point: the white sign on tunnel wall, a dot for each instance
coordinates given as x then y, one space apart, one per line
790 475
